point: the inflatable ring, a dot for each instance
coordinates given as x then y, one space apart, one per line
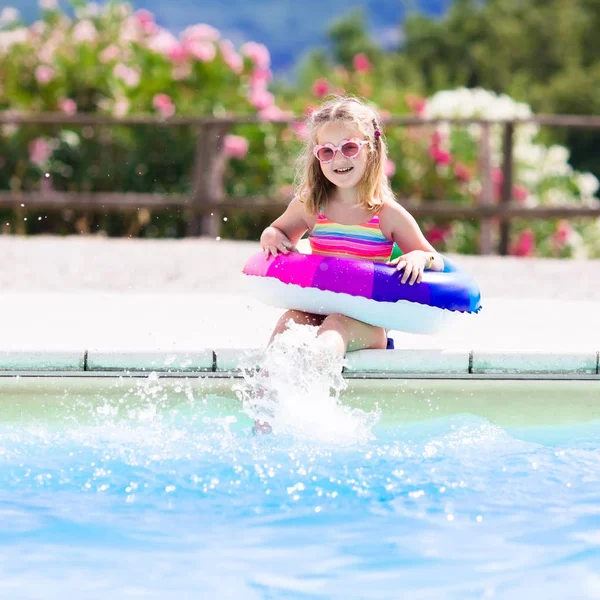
366 291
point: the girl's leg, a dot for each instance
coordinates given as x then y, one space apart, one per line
339 332
297 316
344 334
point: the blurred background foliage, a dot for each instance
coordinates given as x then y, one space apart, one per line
116 59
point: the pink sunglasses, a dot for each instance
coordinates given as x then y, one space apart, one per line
348 148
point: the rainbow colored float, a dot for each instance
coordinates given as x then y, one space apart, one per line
367 291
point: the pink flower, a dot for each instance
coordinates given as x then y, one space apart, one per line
300 129
520 193
361 63
461 172
200 33
162 41
260 78
177 54
415 103
385 115
320 87
40 151
436 138
164 105
232 59
130 76
68 106
525 244
109 54
274 113
261 99
236 146
497 177
440 157
437 235
146 21
390 168
201 50
257 53
44 74
562 234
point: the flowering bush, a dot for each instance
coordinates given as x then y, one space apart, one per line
542 174
114 61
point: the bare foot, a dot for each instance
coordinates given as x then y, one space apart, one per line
261 428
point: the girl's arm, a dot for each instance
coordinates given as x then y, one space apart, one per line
285 232
418 254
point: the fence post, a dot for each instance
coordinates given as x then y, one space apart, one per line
507 185
486 231
208 180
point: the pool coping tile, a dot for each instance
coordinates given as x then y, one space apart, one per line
534 361
37 360
435 361
230 359
159 361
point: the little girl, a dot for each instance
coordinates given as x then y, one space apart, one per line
345 202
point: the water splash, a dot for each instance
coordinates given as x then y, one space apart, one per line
297 390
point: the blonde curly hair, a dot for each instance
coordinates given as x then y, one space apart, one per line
312 187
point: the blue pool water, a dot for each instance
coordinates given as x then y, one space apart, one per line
157 489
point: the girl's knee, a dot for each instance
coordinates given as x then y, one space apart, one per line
300 317
338 322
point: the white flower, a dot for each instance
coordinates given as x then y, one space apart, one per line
558 154
70 138
84 32
130 31
557 197
530 154
92 9
15 36
120 107
9 15
587 183
48 4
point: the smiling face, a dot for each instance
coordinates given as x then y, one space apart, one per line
342 171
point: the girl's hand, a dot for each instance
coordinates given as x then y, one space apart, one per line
413 264
274 241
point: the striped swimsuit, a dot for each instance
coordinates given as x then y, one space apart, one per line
362 242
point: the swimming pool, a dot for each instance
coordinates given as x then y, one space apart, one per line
155 488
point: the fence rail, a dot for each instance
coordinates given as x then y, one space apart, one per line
206 201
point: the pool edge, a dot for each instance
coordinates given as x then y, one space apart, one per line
453 363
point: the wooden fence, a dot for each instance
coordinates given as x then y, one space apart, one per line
205 203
